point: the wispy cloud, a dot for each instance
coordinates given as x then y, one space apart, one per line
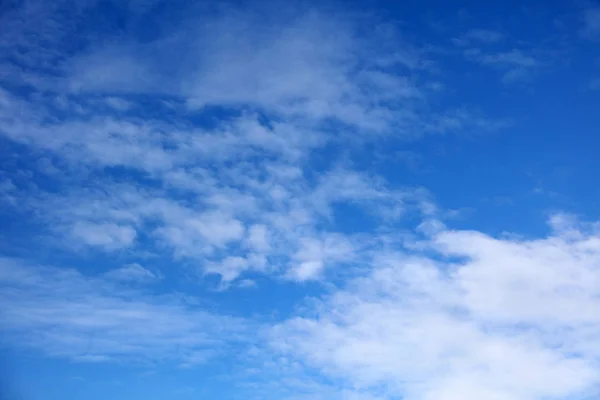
131 273
64 313
290 66
515 64
591 22
513 58
107 235
479 36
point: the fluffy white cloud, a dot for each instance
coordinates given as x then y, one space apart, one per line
482 317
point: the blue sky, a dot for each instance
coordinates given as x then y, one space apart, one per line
278 200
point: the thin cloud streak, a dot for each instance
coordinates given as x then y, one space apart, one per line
63 313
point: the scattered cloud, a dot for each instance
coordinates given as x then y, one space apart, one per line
210 198
223 144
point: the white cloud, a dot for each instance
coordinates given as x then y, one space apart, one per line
516 64
113 70
258 238
107 235
210 185
94 138
513 57
214 228
131 273
457 315
306 270
117 103
63 313
232 197
211 198
482 318
314 254
229 268
7 191
348 186
292 66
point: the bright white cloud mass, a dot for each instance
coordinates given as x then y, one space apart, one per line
284 201
505 319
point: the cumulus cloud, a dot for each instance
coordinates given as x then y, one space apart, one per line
482 317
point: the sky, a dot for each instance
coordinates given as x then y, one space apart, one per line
328 200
